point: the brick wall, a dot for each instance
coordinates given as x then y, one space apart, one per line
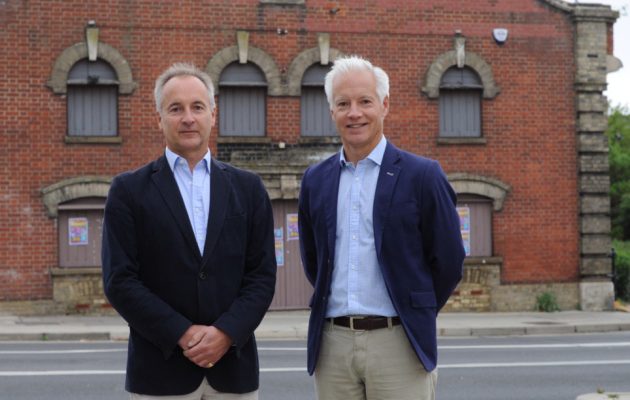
530 127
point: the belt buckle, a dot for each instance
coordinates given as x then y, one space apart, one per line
352 323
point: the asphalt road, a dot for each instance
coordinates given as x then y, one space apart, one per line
516 368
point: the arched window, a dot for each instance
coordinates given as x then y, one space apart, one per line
242 93
92 99
80 232
315 111
460 103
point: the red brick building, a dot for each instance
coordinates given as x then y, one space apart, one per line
506 94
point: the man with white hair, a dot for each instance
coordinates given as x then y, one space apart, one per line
381 244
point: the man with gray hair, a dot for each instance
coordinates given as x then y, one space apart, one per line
381 245
188 256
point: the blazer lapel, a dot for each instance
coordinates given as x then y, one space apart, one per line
331 186
220 193
167 186
387 179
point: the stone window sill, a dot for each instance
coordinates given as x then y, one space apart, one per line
451 141
282 2
93 139
319 140
490 260
243 139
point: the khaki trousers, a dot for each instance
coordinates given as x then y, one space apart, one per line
203 392
370 365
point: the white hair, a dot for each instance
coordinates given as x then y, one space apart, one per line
344 65
181 69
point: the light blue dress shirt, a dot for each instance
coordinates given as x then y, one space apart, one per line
358 287
195 190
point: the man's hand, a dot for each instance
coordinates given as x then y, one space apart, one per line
204 345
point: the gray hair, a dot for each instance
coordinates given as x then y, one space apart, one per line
344 65
181 69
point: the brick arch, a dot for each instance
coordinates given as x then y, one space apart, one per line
59 76
73 188
255 55
482 186
446 60
301 63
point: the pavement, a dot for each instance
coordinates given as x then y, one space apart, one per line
294 324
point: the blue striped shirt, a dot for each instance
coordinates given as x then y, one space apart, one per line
358 287
194 186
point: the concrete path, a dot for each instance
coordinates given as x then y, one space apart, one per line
294 324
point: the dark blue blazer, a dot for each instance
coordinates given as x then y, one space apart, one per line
156 278
416 234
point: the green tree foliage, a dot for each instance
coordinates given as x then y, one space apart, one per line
619 142
618 133
621 279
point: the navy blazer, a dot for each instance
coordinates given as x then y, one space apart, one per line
156 278
416 234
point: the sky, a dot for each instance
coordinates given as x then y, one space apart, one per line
618 91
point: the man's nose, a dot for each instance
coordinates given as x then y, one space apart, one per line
354 111
188 117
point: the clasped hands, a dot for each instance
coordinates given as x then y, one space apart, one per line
204 345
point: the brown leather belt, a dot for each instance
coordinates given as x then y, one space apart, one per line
366 323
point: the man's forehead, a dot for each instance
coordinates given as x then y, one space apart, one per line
178 93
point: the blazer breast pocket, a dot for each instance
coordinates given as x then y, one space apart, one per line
234 232
404 213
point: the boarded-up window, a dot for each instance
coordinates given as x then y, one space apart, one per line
242 94
293 290
460 103
80 232
92 99
479 212
315 111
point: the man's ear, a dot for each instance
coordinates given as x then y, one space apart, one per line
386 106
214 116
159 120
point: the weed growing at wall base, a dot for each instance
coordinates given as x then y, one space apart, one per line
546 301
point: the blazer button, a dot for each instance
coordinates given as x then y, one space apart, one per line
202 275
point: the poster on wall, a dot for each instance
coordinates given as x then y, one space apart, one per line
279 239
292 227
78 231
464 226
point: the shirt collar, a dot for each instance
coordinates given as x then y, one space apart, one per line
376 155
174 158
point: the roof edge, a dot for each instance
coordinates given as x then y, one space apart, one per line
592 10
560 4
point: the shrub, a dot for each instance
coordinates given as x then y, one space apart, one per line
546 301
